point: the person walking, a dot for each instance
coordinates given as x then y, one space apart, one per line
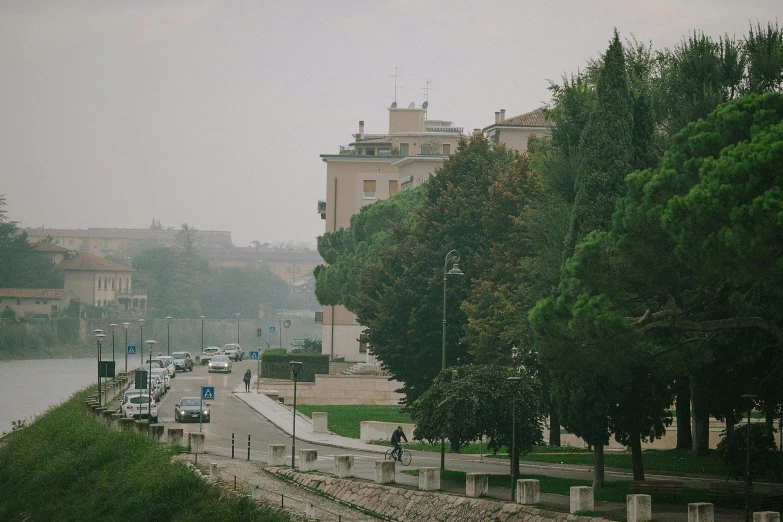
395 440
247 378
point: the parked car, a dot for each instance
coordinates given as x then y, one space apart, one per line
140 406
220 363
156 363
190 409
169 362
183 361
234 351
161 374
209 352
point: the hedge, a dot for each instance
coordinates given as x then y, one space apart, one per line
277 365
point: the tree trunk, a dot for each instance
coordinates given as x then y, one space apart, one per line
636 458
730 422
701 418
683 407
598 464
554 428
769 416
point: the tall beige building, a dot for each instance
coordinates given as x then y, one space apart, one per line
371 168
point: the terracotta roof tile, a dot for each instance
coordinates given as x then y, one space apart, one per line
529 119
92 263
32 293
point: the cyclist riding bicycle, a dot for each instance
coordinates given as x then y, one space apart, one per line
395 440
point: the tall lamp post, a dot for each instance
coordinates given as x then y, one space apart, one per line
202 332
168 335
141 342
513 381
280 327
295 367
99 335
150 346
749 397
453 254
126 325
238 316
113 326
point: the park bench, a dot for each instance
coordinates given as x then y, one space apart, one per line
650 487
728 493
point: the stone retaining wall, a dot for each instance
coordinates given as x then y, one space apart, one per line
338 389
423 506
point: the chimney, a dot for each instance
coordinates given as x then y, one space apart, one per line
361 127
476 131
497 117
502 115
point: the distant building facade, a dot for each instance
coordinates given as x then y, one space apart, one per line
514 132
98 282
36 302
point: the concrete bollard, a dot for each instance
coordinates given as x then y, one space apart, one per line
582 499
429 479
320 419
701 512
115 421
156 432
308 460
343 466
528 491
175 435
213 470
310 511
196 441
276 455
476 484
256 493
766 516
639 508
384 472
142 426
107 413
127 424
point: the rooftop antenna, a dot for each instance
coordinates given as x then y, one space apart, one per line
427 87
395 76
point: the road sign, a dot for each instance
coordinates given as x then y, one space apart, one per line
106 368
141 380
259 332
131 350
272 329
253 356
207 393
287 323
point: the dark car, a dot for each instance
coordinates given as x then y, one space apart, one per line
190 409
183 361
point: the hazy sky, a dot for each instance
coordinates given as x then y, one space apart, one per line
214 113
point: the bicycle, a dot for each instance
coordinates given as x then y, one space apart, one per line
405 456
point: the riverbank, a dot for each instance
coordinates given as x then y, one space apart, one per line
65 351
66 466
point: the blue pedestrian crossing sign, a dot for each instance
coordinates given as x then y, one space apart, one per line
253 356
207 393
131 349
272 329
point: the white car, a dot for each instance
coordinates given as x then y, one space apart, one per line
139 406
220 363
234 351
209 352
161 374
169 362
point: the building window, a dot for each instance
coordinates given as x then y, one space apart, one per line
105 243
384 152
46 302
447 148
288 270
299 270
404 147
369 152
38 302
392 187
113 283
369 189
99 283
363 343
18 301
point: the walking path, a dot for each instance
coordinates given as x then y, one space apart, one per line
280 415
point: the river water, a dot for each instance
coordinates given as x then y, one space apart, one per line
29 388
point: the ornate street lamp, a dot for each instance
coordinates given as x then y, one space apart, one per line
112 340
238 316
141 342
126 325
168 335
295 367
454 271
99 335
202 332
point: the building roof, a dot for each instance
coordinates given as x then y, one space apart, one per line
45 246
534 118
33 293
92 263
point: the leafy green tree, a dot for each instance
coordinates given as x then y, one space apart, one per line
764 51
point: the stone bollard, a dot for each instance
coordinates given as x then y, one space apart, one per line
308 460
107 413
156 432
196 441
127 424
142 426
99 412
175 435
276 455
115 421
384 472
701 512
582 499
213 471
320 419
256 493
476 484
766 516
639 508
310 511
528 491
343 466
429 479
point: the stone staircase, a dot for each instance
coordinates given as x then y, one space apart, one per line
363 369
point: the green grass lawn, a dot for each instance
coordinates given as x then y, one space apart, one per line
346 420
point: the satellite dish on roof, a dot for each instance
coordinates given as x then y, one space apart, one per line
411 105
394 105
425 105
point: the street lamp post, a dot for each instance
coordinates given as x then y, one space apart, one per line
238 316
513 381
750 399
295 367
202 332
113 325
99 335
280 327
141 342
168 335
150 346
454 271
126 325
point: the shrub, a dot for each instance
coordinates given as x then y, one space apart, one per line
732 450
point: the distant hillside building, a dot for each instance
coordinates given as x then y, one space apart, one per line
37 302
514 132
98 281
